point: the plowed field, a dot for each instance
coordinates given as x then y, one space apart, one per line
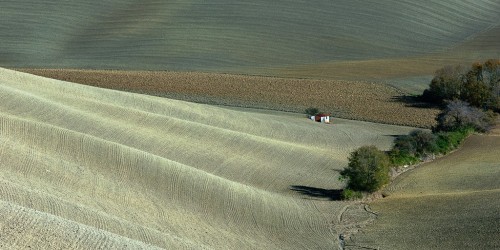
346 99
91 168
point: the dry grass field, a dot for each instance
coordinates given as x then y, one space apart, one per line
346 99
90 168
451 203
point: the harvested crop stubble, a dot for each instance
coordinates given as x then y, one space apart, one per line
346 99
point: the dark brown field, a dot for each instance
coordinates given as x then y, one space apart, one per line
346 99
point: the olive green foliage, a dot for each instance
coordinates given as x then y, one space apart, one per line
368 169
312 111
446 84
409 149
448 141
349 194
455 123
478 85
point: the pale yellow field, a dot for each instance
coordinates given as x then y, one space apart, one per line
88 168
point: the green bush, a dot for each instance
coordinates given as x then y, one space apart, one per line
444 142
404 145
417 143
349 194
368 169
424 142
447 141
399 158
410 149
312 111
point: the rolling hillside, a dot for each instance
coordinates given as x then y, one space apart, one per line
87 168
355 100
286 38
451 203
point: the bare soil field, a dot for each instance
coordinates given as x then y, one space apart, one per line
451 203
345 99
90 168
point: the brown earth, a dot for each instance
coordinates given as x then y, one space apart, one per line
356 100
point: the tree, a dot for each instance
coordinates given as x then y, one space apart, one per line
408 149
368 169
446 85
460 115
476 91
312 111
424 141
491 76
479 85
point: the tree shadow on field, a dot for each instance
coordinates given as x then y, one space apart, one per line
414 101
320 193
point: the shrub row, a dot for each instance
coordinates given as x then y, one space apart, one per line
368 168
418 145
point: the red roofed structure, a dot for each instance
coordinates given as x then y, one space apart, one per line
322 117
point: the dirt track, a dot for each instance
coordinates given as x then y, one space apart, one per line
345 99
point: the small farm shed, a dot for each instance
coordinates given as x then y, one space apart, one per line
324 118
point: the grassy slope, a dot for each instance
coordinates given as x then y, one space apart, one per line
294 38
451 203
84 168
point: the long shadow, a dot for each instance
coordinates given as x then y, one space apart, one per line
320 193
414 101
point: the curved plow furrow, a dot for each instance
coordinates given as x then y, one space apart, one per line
165 173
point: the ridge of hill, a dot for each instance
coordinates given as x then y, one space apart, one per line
84 167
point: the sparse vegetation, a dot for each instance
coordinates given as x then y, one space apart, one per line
368 169
460 115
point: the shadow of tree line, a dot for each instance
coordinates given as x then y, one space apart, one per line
319 193
415 101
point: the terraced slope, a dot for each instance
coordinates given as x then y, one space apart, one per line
258 37
451 203
89 168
